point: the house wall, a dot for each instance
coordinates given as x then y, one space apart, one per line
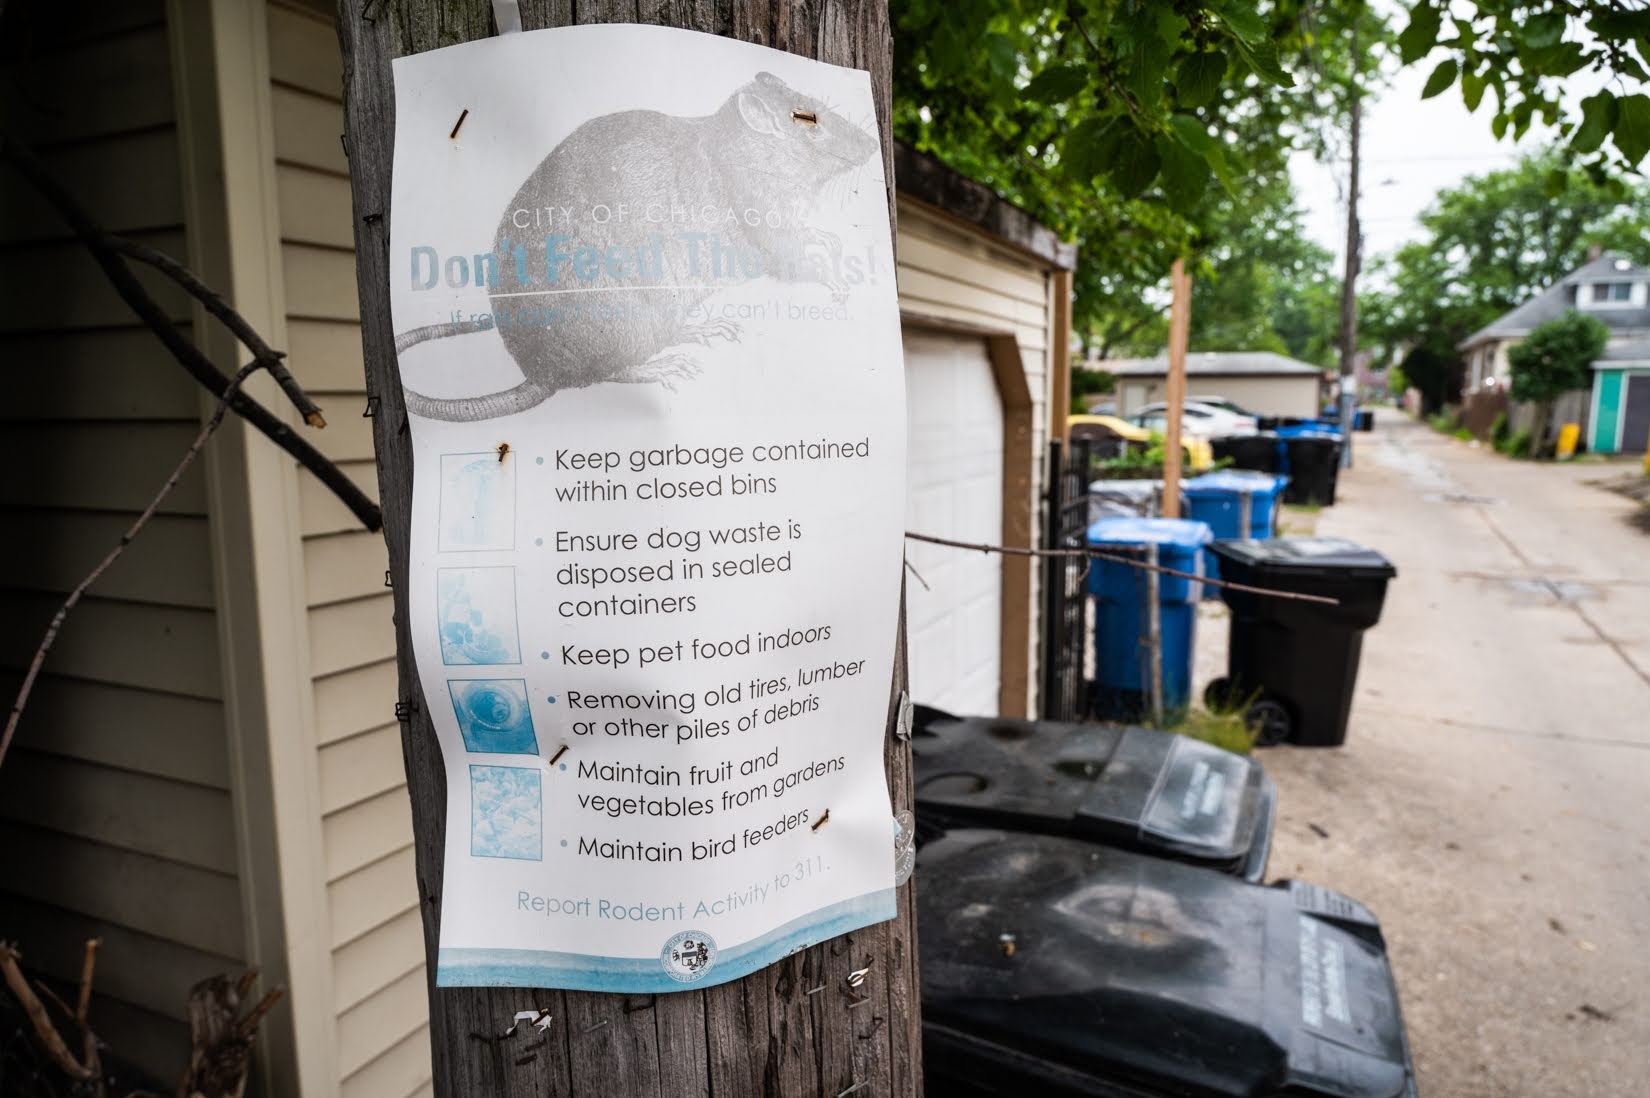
116 816
1286 395
953 276
374 932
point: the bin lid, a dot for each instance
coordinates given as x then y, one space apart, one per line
1309 430
1265 990
1150 531
1126 489
1138 788
1307 556
1223 482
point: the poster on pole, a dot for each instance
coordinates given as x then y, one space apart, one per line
642 286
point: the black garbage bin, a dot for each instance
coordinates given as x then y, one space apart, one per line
1313 461
1057 968
1297 661
1257 451
1131 788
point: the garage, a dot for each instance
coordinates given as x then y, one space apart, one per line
954 414
985 296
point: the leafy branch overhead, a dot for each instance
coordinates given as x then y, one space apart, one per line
1522 53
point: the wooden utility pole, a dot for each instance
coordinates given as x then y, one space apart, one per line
1180 329
795 1028
1349 280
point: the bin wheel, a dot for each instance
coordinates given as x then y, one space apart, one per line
1269 719
1217 696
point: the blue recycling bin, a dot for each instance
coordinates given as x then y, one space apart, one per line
1236 503
1122 662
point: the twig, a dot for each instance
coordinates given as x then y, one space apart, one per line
46 642
266 356
1118 558
99 242
50 1039
249 1024
87 965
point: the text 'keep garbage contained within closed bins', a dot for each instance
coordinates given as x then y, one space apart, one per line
1298 660
1058 968
1121 612
1130 788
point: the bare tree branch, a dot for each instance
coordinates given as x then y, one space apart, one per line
266 356
224 401
104 249
50 1039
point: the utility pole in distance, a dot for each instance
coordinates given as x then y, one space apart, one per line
798 1027
1349 281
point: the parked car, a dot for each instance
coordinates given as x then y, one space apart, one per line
1221 402
1204 420
1196 450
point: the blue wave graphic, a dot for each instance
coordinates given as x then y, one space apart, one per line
646 975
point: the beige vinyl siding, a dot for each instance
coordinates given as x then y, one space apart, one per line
379 997
951 274
115 812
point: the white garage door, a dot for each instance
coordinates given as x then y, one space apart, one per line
955 416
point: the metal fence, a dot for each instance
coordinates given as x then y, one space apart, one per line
1065 604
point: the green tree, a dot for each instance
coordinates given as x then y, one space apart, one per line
1522 52
1552 360
1140 131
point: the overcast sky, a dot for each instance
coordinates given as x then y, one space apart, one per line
1411 150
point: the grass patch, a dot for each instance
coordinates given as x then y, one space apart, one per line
1226 729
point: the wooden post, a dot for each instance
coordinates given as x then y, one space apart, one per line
1348 401
765 1034
1180 326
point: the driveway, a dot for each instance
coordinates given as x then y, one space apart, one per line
1492 803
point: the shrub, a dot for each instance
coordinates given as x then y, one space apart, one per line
1442 422
1519 445
1500 431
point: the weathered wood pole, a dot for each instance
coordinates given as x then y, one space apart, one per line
1180 326
764 1035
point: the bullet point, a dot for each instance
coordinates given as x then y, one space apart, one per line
538 541
540 461
564 842
563 766
545 654
551 699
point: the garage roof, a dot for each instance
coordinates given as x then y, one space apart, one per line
1213 364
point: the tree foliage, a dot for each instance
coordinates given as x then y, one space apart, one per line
1520 53
1144 132
1556 357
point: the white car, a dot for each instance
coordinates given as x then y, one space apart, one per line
1206 420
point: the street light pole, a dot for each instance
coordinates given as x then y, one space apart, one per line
1349 281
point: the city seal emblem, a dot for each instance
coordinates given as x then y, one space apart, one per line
688 956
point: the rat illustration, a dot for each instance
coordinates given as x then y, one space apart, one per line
770 150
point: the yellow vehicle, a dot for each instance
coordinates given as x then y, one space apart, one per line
1199 455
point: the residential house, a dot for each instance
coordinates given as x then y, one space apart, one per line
1609 287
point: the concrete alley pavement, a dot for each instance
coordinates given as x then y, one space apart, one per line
1492 803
